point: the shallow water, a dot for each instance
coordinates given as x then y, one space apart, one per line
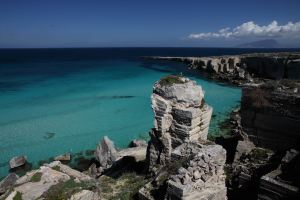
49 105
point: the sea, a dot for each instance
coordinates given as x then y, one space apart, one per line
54 101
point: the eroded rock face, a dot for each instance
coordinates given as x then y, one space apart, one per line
180 115
106 153
284 182
203 177
8 182
271 116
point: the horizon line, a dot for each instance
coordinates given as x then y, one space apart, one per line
145 47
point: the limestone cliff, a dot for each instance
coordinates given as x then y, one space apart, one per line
270 115
243 68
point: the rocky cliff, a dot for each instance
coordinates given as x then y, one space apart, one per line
240 69
270 114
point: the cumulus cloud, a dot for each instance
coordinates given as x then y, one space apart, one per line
251 30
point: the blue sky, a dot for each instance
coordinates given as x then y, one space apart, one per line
122 23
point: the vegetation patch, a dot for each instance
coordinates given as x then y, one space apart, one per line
36 177
258 154
57 168
18 196
170 80
64 190
124 187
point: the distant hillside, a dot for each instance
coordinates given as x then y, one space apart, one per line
270 43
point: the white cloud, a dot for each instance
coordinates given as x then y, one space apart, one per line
250 29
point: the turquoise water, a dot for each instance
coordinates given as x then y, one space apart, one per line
71 112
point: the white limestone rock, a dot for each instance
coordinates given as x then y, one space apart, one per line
106 153
185 92
63 157
180 115
17 161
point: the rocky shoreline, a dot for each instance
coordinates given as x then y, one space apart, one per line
245 68
179 162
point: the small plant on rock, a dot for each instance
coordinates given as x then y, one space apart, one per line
170 80
36 177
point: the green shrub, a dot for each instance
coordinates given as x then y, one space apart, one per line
259 154
36 177
170 80
64 190
124 187
18 196
57 168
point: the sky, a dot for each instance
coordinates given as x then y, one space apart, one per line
147 23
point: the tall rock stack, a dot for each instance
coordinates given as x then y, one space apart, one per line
180 116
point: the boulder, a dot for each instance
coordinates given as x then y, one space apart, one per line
137 143
8 182
17 161
68 170
137 153
63 157
182 90
106 153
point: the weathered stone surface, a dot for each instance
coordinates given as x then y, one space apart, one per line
282 183
69 171
34 184
85 195
180 116
17 161
203 178
63 157
138 153
271 117
33 190
250 163
137 143
8 182
106 153
159 149
187 92
243 147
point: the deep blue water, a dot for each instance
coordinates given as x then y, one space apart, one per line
58 100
